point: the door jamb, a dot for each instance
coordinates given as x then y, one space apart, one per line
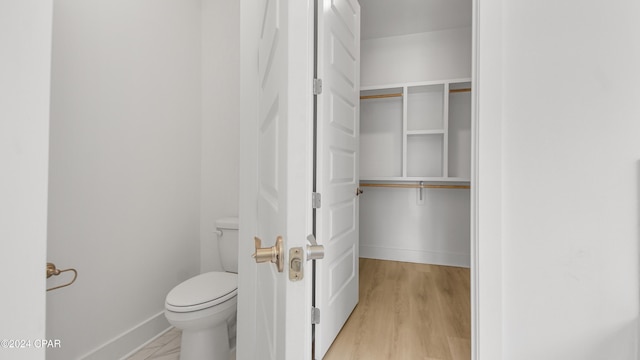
486 181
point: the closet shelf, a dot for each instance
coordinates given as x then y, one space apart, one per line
425 132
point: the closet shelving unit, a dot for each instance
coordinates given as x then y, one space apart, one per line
416 134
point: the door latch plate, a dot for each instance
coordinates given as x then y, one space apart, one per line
296 266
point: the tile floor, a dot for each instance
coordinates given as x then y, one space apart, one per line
165 347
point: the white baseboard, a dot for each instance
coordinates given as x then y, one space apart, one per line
131 340
415 256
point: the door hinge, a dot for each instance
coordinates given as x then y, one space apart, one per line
317 86
315 200
315 316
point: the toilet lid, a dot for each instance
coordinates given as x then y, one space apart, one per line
202 291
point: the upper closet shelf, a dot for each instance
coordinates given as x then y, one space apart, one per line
425 132
421 83
418 131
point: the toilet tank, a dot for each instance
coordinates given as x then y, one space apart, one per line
228 243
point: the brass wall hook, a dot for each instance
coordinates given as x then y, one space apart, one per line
52 270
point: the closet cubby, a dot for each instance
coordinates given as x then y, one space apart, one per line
416 131
424 155
425 108
459 130
381 110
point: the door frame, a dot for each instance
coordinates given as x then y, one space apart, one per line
25 70
486 209
486 181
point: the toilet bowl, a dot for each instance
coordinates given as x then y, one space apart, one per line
204 306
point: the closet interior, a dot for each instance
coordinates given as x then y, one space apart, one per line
415 131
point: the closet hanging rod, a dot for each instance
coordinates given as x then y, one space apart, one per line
460 90
380 96
415 186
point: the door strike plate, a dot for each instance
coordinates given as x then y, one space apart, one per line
296 269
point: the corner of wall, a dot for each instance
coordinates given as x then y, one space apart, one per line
220 123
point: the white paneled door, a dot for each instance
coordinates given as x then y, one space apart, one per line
276 174
274 311
337 166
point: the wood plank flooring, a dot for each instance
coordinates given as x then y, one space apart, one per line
407 311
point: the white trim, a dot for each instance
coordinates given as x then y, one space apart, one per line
129 341
486 182
473 226
415 256
473 198
25 40
473 279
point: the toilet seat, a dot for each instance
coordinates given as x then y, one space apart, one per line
202 291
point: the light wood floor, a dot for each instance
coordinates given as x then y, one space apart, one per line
407 311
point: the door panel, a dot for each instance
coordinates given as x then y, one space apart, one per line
276 175
337 159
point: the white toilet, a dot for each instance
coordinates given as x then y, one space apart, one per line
204 307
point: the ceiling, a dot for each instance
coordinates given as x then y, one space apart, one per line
381 18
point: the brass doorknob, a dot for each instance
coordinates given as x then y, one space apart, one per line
274 254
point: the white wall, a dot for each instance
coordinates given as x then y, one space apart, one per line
124 167
571 171
428 56
25 40
220 122
393 225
